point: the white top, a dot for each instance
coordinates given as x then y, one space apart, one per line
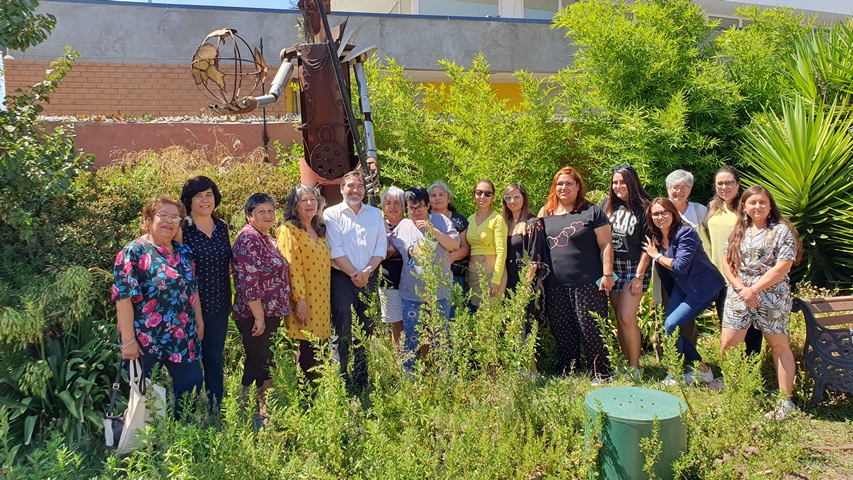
359 237
695 214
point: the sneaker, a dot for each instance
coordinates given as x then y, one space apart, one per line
718 384
669 381
699 377
633 374
599 380
782 411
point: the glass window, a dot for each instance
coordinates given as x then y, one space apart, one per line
459 8
541 9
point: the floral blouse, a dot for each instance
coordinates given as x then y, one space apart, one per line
763 250
161 287
260 272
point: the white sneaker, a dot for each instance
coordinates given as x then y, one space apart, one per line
782 411
669 381
599 380
697 376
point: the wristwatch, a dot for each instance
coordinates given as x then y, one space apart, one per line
369 270
657 257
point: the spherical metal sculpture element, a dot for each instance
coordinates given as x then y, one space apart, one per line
221 65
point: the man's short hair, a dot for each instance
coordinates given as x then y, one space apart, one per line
353 174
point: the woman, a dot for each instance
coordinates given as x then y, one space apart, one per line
302 241
572 239
157 305
392 203
761 249
441 201
722 216
689 277
486 235
409 238
625 207
679 184
208 238
262 286
516 214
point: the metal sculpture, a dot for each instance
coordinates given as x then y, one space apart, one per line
225 65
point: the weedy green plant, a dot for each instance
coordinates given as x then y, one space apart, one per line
57 361
651 447
610 337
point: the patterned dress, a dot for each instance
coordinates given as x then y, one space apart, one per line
260 273
310 269
760 252
161 287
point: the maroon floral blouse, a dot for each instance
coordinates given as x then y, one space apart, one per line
260 272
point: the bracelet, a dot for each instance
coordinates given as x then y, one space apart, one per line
122 345
657 257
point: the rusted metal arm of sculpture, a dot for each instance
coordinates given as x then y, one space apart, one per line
371 175
359 146
281 79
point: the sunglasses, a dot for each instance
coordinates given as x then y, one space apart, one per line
483 193
624 166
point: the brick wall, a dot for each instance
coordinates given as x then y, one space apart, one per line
124 89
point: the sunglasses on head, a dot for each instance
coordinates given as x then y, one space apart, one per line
624 166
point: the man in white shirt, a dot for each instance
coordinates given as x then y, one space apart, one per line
355 233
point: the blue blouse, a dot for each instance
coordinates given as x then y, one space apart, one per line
212 258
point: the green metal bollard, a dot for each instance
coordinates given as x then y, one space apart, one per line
629 414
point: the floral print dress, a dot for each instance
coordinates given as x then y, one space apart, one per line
161 286
760 252
260 273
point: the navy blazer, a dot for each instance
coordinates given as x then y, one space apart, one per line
692 271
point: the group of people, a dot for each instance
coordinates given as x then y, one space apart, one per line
173 284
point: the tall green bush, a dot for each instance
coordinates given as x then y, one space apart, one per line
461 131
803 152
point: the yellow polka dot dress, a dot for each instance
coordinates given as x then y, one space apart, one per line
310 267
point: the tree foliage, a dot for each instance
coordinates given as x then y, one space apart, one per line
21 27
461 131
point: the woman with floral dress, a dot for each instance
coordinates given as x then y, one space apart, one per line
156 295
760 251
262 285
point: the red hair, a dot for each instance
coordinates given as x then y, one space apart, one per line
551 203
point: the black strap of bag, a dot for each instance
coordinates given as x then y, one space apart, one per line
116 386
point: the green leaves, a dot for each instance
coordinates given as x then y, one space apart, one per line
20 27
804 156
461 131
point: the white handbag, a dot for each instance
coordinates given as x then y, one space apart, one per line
146 402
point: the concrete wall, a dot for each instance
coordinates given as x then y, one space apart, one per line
153 33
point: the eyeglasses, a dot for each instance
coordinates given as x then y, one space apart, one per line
167 217
680 187
661 214
416 209
513 198
483 193
726 183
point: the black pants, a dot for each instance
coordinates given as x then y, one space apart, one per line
753 335
346 297
572 325
258 350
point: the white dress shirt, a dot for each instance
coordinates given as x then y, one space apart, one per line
359 237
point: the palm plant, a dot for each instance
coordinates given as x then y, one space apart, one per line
804 156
